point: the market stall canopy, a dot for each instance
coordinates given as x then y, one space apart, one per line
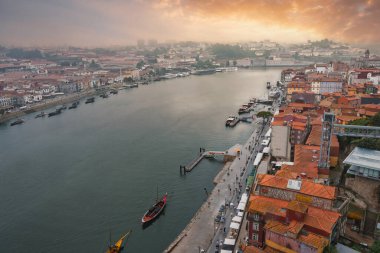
235 225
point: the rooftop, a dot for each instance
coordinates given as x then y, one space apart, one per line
310 239
320 219
366 158
307 188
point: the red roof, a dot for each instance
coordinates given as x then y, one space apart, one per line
307 188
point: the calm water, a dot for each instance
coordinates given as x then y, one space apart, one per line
67 181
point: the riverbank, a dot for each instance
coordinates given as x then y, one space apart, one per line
200 232
51 103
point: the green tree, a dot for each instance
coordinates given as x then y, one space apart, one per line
375 248
360 122
93 65
227 63
376 119
235 63
264 114
140 64
128 79
330 249
370 143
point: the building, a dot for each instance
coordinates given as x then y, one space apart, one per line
280 144
287 215
363 178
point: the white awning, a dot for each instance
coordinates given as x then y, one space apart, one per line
240 214
241 206
266 150
235 225
225 251
237 219
244 198
228 241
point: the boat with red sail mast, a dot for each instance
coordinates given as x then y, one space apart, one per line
155 210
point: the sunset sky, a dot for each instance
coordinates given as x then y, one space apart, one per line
120 22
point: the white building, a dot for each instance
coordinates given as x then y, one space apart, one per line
280 144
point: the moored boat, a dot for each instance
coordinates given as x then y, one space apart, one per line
118 246
17 122
232 121
56 112
155 210
40 115
74 105
90 100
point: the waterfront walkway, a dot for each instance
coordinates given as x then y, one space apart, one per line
201 232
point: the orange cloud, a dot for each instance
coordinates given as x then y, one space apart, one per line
344 20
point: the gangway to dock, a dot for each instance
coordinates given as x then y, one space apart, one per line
228 155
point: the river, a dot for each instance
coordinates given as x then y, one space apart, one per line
67 181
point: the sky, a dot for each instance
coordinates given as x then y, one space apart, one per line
93 23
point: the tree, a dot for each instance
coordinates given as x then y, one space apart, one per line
227 63
93 65
264 114
375 247
376 119
128 79
360 122
235 63
330 249
370 143
140 64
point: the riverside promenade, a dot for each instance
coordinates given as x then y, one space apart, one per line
199 234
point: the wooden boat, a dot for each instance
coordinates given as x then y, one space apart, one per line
155 210
118 246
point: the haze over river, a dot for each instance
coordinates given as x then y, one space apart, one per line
68 180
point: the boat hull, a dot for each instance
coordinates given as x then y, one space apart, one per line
160 205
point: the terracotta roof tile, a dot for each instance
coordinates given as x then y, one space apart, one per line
317 218
307 188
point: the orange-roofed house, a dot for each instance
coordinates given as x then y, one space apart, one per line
352 101
290 226
317 195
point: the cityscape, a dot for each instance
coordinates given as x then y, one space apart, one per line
262 138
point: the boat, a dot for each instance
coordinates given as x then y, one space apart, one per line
90 100
113 91
104 95
63 107
268 85
17 122
127 86
56 112
244 109
40 115
155 210
204 72
232 121
118 246
74 105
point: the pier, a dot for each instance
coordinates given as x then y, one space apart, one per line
228 155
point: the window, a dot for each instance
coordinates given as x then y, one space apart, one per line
256 216
256 226
255 237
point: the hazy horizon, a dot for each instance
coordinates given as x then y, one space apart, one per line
97 23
